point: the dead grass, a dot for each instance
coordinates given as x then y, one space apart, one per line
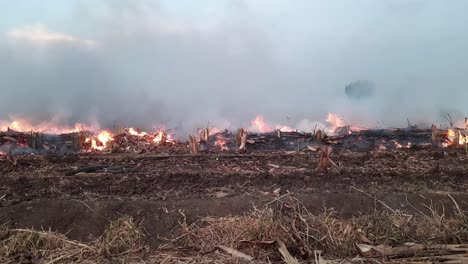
290 223
121 237
302 232
256 234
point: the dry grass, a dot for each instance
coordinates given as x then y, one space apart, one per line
121 237
255 234
290 223
303 232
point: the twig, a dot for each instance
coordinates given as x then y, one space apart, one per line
277 199
448 118
460 212
412 206
91 209
384 204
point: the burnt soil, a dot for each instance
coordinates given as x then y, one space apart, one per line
78 193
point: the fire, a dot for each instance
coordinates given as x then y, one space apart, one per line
100 142
159 137
221 142
336 122
162 137
398 145
134 132
23 125
259 124
284 128
452 136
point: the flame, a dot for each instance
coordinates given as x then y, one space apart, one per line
398 145
159 137
285 128
134 132
451 136
100 142
335 122
260 125
162 137
221 142
23 125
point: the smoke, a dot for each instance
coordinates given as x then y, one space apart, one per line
139 64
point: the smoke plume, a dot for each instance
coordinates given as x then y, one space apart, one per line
139 64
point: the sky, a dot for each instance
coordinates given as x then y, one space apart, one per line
185 63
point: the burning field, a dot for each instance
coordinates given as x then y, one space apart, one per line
260 194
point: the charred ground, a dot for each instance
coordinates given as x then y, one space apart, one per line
165 187
174 177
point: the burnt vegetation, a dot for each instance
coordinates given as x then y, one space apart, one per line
273 170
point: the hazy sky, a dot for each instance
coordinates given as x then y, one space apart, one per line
185 63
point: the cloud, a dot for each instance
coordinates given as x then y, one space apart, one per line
40 34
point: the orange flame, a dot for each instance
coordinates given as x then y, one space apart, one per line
134 132
221 142
451 136
335 121
100 143
398 145
162 137
259 124
23 125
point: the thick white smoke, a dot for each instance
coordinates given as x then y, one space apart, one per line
141 65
